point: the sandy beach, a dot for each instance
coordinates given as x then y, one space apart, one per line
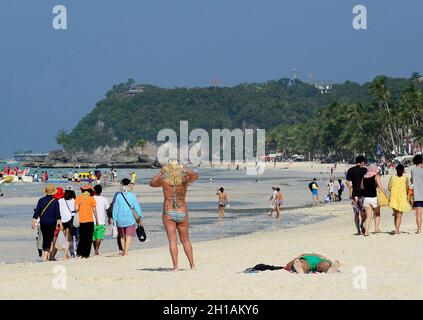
381 266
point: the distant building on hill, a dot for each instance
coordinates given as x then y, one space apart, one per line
136 89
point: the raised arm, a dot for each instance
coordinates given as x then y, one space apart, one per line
190 175
157 180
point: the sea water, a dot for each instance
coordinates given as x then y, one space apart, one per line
244 216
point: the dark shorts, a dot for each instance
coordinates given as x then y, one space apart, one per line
127 231
418 204
67 225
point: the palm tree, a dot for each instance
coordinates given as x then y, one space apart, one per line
62 138
383 98
141 143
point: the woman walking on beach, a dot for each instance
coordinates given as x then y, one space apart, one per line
58 195
85 206
278 202
127 214
174 179
398 186
48 213
371 181
67 211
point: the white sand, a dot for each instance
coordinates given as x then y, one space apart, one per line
393 264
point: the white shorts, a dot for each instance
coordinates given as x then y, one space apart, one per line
370 202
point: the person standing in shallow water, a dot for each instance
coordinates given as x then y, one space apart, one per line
223 200
278 202
174 180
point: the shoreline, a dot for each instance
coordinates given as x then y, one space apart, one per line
220 264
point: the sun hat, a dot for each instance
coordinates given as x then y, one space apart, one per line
59 193
372 170
88 188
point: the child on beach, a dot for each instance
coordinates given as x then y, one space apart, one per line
398 186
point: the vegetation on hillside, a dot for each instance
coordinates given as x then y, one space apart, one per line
350 118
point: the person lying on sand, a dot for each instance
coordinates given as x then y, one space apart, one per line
305 263
312 262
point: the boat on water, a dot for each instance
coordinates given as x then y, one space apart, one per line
15 175
8 179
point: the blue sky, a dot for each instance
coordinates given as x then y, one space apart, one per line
49 79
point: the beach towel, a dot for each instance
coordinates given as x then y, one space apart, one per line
262 267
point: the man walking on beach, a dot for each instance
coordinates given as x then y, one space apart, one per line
417 181
354 177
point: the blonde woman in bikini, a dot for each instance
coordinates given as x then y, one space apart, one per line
174 179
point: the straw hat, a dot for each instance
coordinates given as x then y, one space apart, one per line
50 190
88 188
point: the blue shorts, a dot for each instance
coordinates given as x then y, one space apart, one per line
314 192
418 204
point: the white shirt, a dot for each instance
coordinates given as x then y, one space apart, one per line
102 206
65 212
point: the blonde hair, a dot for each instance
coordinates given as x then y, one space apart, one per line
173 173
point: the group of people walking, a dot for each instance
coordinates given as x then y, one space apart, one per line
82 219
368 194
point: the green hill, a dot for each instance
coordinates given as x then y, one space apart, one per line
273 105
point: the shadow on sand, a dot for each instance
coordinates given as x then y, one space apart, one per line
156 269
